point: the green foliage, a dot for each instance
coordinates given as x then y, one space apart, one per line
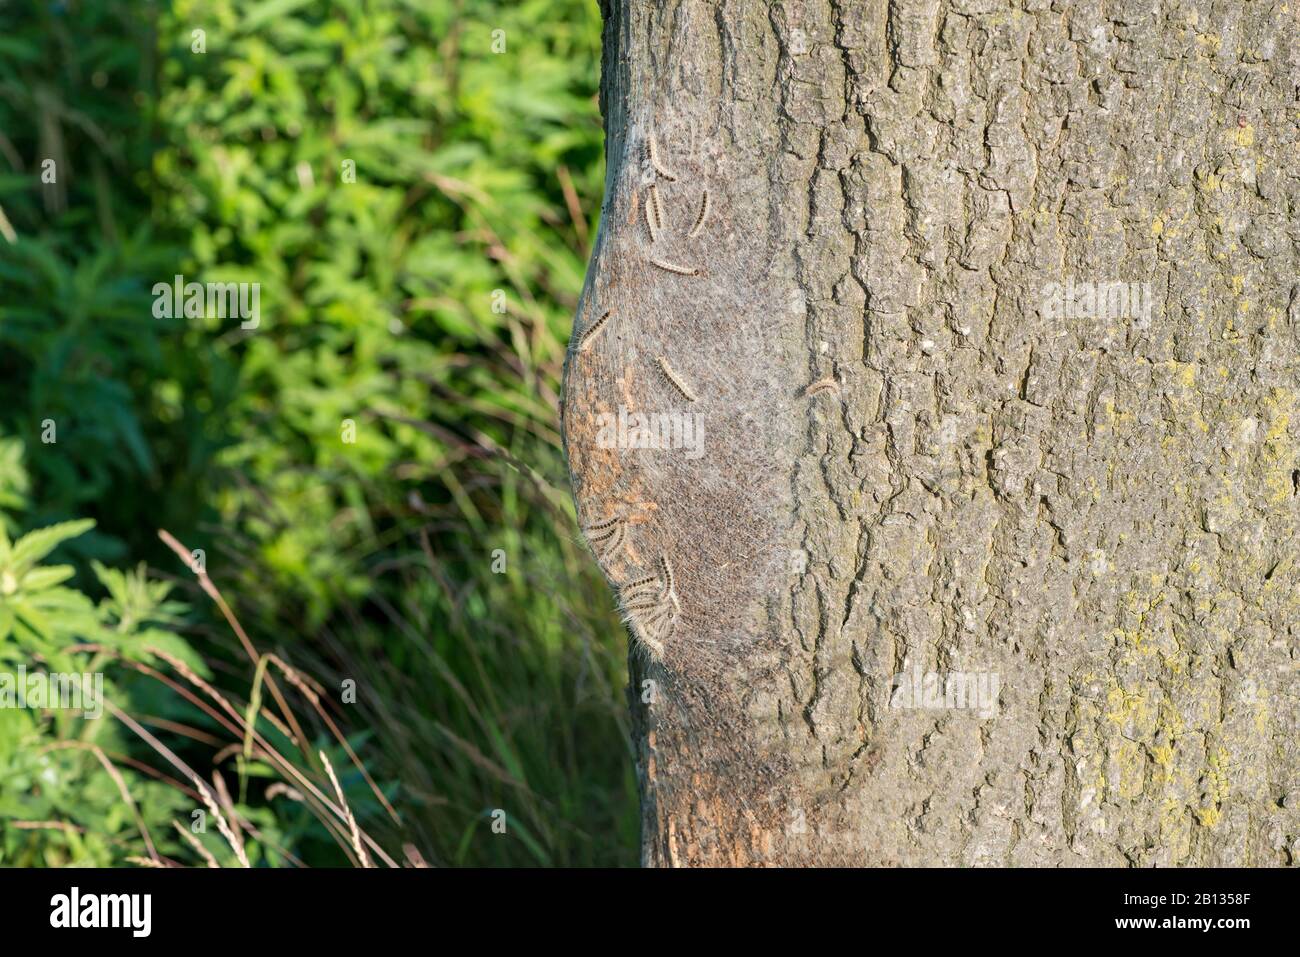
377 295
58 804
378 312
415 203
109 405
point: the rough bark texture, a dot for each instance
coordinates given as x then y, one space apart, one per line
1101 512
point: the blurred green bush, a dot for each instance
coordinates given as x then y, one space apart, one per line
374 471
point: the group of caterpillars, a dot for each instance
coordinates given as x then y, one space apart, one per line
654 210
649 604
654 218
650 608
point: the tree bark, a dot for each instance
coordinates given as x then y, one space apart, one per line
926 457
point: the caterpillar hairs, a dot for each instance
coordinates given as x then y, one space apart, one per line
670 581
601 526
652 154
614 542
821 385
606 538
591 332
650 631
645 603
640 585
654 202
648 638
673 380
651 225
674 268
701 217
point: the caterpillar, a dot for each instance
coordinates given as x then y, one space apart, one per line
699 219
650 223
613 542
821 385
670 582
590 334
652 154
673 267
643 604
649 633
640 583
606 537
651 643
674 380
601 526
653 202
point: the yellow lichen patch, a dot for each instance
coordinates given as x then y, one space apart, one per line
1279 451
1173 663
1130 761
1157 227
1208 816
1217 789
1279 405
1163 756
1133 713
1278 486
1244 135
1142 640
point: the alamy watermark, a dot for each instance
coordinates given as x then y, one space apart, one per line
82 692
133 912
919 690
222 300
651 430
1098 300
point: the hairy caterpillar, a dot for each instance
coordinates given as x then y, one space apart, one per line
673 267
608 535
649 606
614 543
640 584
650 642
821 385
643 604
652 154
650 632
590 334
670 582
650 223
674 380
653 202
699 219
601 526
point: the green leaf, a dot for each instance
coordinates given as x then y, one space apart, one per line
34 546
47 577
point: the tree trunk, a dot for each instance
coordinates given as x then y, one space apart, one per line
982 547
